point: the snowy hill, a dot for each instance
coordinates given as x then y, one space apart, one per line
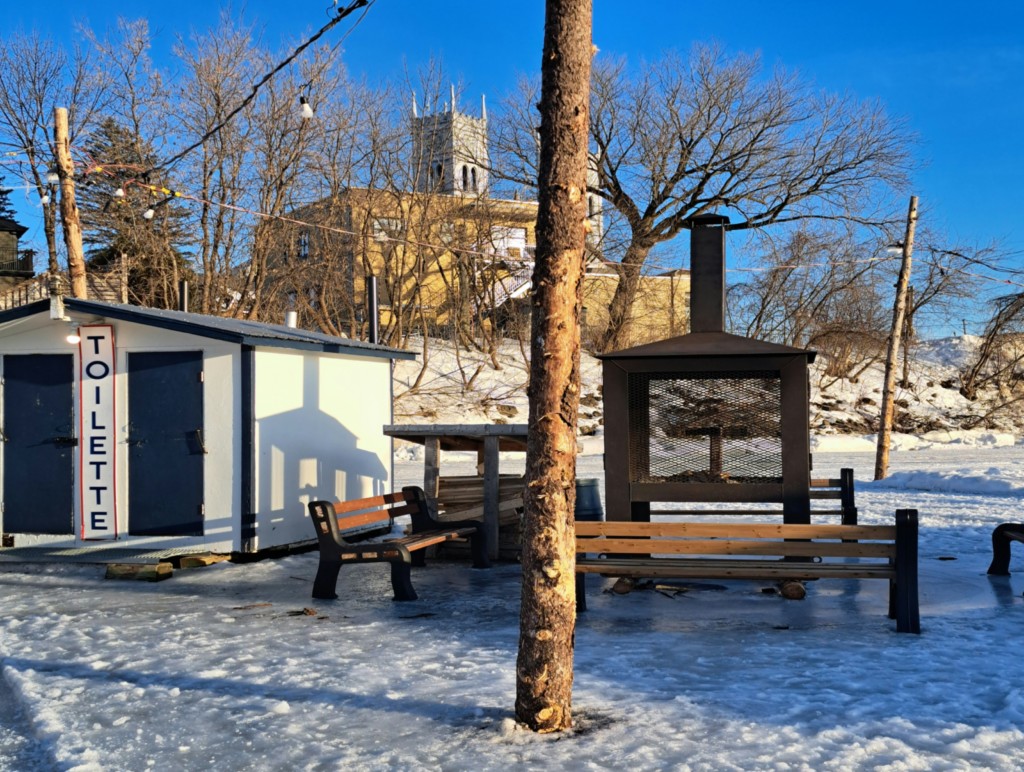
461 387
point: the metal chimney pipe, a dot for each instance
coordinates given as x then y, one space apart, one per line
291 319
707 272
372 313
183 295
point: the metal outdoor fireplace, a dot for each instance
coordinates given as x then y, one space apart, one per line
708 416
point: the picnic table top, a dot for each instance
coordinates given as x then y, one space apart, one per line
462 436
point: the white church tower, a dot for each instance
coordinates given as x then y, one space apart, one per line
450 150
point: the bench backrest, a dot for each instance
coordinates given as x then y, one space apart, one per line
742 539
360 519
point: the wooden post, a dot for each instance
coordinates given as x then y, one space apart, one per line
431 465
68 207
898 312
491 482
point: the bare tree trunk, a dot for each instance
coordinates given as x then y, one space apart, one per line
898 311
547 617
615 337
68 207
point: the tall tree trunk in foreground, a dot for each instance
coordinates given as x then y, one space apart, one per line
547 616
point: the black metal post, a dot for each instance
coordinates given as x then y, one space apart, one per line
372 313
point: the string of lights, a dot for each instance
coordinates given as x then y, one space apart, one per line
307 110
167 195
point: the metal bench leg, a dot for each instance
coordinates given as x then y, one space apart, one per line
908 617
581 593
419 558
478 546
401 580
1001 537
326 581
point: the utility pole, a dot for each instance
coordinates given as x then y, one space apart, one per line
898 313
68 207
908 338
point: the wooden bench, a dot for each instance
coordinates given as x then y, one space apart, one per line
839 489
1001 538
835 489
757 551
344 528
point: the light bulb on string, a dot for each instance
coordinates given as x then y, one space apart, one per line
305 108
74 336
149 213
119 193
51 176
45 199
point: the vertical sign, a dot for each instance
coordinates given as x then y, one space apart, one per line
96 438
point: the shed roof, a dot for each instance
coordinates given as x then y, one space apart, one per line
241 331
708 344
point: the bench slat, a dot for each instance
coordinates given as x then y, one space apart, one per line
421 540
364 520
735 569
613 545
375 502
736 530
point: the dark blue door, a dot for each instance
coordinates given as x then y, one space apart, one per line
39 444
165 444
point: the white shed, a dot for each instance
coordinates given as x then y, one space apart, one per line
170 432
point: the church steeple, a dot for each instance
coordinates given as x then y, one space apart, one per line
450 150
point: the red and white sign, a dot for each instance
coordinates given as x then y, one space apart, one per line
96 438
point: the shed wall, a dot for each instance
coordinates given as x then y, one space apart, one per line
318 435
221 411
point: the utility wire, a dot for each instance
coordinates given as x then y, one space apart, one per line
342 13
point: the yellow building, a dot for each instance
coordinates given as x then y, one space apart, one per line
448 257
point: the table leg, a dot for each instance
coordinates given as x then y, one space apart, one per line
431 466
491 495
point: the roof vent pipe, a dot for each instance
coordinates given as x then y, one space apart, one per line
707 272
372 312
183 295
291 319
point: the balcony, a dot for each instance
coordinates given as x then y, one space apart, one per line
13 264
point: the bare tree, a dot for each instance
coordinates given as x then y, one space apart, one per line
217 66
548 612
35 76
680 138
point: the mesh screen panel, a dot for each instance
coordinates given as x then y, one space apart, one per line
722 427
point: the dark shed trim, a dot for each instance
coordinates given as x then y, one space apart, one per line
239 331
248 475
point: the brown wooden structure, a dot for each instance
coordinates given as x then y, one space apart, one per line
708 416
489 495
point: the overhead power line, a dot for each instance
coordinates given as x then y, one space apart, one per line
342 14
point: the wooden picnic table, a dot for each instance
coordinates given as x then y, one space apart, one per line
487 440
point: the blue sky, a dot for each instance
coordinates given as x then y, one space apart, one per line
955 72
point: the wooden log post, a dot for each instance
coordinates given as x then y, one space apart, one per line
547 616
72 225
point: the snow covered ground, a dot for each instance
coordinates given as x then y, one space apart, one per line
220 666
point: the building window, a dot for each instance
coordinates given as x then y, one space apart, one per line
302 248
508 241
387 228
439 170
590 206
465 178
472 174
